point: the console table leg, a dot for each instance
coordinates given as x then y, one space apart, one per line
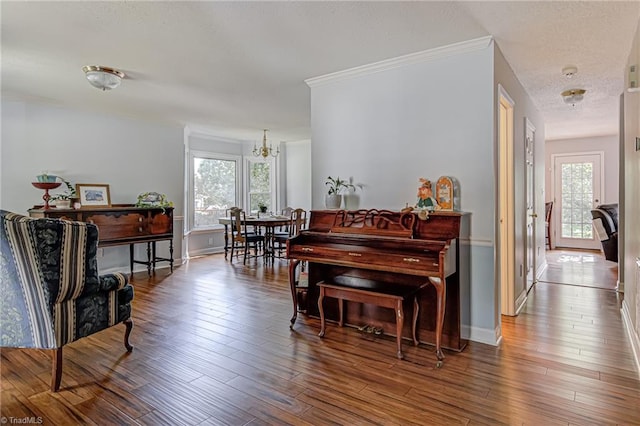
171 254
149 258
153 256
131 257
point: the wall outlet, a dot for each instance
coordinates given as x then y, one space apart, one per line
100 252
210 241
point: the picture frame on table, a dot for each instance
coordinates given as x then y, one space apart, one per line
94 194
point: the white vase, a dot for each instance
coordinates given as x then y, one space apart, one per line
333 201
63 204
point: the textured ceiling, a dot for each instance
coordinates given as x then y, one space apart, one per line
238 67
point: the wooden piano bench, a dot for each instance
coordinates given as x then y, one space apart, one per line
379 293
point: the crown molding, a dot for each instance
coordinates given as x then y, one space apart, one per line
401 61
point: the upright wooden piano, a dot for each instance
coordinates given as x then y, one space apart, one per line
394 247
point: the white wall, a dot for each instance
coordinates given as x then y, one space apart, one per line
298 174
131 156
610 145
386 129
523 109
630 203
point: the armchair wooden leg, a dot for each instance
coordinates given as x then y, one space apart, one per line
128 323
56 370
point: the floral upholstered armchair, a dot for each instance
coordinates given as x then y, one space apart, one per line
51 293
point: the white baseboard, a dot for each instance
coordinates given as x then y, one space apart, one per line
633 336
206 251
482 335
543 266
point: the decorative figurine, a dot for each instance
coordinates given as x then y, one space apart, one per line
425 196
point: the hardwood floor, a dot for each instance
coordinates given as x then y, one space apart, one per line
587 268
213 346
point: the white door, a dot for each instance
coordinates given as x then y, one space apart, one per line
577 189
530 237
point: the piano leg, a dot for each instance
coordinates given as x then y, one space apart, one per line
292 283
399 324
321 309
416 310
441 295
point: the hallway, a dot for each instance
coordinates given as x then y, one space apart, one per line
585 268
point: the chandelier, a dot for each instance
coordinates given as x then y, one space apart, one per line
265 151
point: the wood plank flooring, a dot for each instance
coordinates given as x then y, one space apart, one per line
581 268
213 347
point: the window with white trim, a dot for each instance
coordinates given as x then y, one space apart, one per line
260 184
215 187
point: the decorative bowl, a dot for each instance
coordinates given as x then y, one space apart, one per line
46 178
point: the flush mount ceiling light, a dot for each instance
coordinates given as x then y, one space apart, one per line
103 78
573 96
569 71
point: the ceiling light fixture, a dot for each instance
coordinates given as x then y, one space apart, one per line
573 96
103 78
265 151
569 71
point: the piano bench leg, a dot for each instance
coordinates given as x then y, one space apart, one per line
341 309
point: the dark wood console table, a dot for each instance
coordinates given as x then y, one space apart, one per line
123 224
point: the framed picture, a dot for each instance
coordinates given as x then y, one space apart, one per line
93 194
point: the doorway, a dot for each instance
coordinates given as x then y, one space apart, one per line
505 267
577 186
531 216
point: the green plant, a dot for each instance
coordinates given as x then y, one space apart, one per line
262 207
152 200
68 194
337 185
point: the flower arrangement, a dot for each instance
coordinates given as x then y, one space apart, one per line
68 194
153 199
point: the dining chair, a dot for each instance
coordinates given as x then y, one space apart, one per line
284 230
298 219
243 239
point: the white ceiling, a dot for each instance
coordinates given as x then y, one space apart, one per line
235 68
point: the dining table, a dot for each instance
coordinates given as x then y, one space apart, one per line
263 221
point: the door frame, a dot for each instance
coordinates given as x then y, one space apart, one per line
531 217
505 258
556 213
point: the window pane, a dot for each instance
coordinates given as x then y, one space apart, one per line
214 189
259 185
577 194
